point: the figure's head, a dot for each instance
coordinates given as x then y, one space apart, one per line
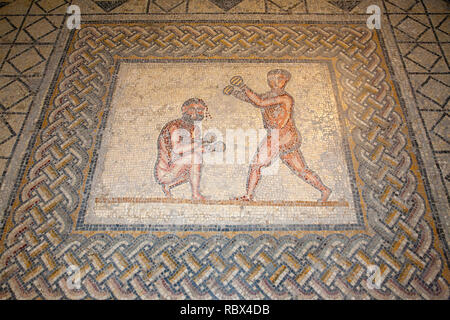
194 109
278 78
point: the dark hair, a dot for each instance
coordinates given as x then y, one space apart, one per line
192 101
283 72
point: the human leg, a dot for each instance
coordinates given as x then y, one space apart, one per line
263 158
295 161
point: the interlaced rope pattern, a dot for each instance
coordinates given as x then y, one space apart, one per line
39 247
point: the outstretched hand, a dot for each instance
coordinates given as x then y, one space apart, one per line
237 83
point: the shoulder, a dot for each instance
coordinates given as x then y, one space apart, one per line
173 124
287 98
169 127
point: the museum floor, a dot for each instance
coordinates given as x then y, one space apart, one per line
224 149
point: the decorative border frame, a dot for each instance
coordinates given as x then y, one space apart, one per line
37 245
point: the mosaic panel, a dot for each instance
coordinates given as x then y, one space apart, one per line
40 240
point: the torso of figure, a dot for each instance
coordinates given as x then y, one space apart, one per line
280 117
274 117
165 143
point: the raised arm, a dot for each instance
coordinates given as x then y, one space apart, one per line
241 96
263 102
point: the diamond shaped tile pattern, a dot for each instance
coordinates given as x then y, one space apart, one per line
423 57
50 6
404 5
226 4
412 27
444 25
431 120
12 92
442 128
436 91
287 4
6 27
441 25
110 5
14 7
10 127
15 102
40 28
26 60
423 41
6 132
346 5
9 26
168 5
444 165
437 6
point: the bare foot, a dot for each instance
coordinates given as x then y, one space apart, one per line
166 191
198 197
243 198
325 195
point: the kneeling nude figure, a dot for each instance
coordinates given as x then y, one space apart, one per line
181 148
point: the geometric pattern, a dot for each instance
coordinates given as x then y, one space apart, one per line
6 27
285 6
346 5
26 59
27 43
411 27
40 28
168 6
38 238
48 6
110 5
15 100
422 41
226 5
404 5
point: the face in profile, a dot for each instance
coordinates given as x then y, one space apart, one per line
194 112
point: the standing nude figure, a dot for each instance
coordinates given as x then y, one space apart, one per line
277 113
181 148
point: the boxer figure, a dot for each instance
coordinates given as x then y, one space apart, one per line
180 149
277 113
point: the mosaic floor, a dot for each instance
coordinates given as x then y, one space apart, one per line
213 149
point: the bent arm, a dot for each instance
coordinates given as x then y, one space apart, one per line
181 148
182 142
261 102
241 96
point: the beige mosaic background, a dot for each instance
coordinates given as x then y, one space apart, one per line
138 114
